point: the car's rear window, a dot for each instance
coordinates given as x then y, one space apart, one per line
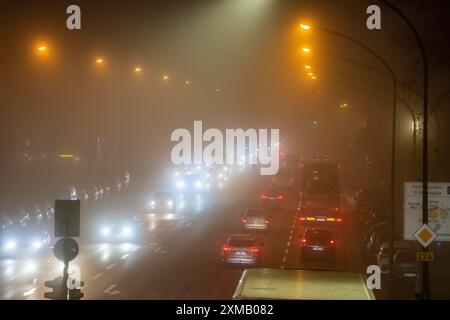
405 256
321 236
241 243
254 213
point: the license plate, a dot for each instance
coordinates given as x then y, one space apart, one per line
409 275
240 253
318 249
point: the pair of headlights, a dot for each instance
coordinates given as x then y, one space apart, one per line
11 245
125 231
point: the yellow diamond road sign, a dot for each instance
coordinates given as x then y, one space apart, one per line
425 235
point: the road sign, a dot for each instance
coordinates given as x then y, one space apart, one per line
65 249
422 256
438 209
425 235
67 218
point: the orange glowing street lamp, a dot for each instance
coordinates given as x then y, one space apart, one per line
308 67
137 69
304 27
306 49
99 61
165 77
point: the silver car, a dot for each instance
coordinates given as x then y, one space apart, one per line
256 219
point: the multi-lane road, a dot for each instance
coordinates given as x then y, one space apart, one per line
180 259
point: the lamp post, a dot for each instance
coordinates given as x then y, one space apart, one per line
425 294
393 143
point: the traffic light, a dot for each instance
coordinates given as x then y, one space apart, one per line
76 294
59 289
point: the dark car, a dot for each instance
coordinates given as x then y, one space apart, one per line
256 219
242 249
272 198
317 242
405 265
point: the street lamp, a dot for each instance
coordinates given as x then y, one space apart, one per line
304 27
308 67
165 77
137 69
306 49
99 61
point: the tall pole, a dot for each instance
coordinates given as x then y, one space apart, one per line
425 294
393 147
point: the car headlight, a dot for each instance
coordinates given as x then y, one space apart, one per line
106 231
198 184
152 203
126 231
170 203
36 244
10 245
180 184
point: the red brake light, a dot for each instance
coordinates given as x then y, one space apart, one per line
303 240
331 241
339 219
264 196
226 248
302 218
254 250
280 197
244 220
267 221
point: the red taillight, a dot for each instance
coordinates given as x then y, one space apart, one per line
244 220
302 218
266 221
331 241
303 240
280 197
226 248
254 250
264 196
339 219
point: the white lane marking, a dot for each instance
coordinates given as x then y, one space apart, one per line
289 243
282 267
290 237
284 259
286 251
29 292
97 276
292 231
112 265
124 256
111 291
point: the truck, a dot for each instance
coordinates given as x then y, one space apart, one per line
285 284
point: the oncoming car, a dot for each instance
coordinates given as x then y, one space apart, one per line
120 228
24 240
163 202
242 249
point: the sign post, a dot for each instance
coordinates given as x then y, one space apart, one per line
67 225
